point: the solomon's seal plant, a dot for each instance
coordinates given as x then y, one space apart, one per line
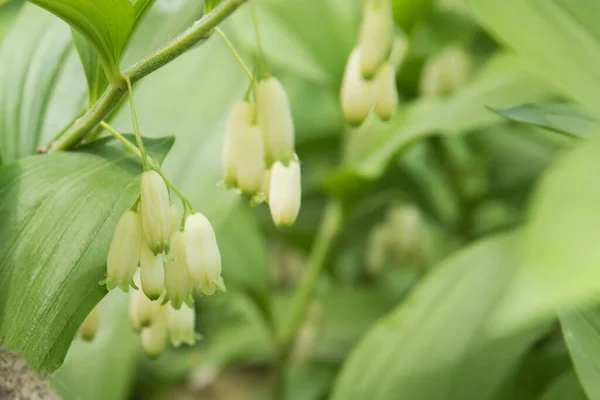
425 233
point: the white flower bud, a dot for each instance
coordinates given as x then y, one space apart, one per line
375 37
240 117
387 101
357 95
275 120
156 211
445 73
399 51
250 160
142 310
203 257
124 251
266 184
152 275
154 337
180 325
178 283
285 193
89 327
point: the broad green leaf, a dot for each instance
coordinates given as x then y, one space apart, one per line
106 24
559 266
58 214
559 40
564 387
560 117
140 8
8 14
501 83
31 59
109 361
434 345
581 330
94 73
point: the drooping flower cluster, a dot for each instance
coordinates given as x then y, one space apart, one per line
370 78
258 153
174 260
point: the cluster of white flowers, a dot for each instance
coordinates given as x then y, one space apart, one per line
258 153
370 77
174 260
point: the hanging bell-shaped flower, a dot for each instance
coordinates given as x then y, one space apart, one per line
285 193
275 120
375 36
156 211
89 327
203 256
387 100
180 325
357 95
240 117
124 251
178 283
154 337
152 276
250 162
142 310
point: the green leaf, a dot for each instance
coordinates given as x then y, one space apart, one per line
434 344
501 83
94 73
140 8
560 117
571 62
109 361
564 387
106 24
559 251
58 214
31 59
581 330
8 13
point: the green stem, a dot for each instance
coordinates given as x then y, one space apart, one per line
121 139
330 227
235 54
186 202
66 127
261 64
328 231
255 23
136 127
199 31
